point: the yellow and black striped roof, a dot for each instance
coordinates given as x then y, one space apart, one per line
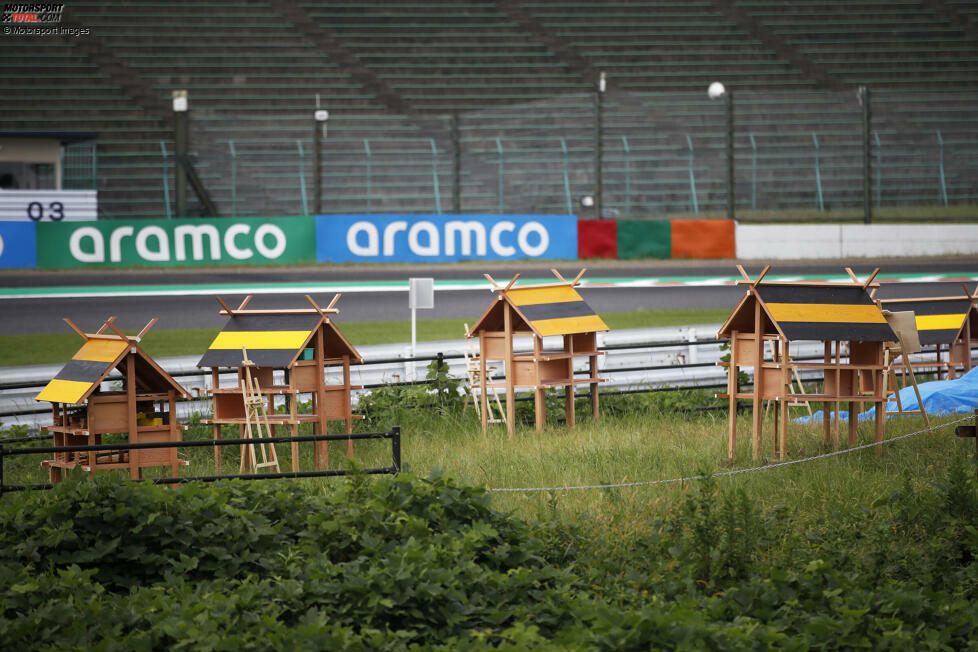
86 369
938 321
557 310
545 310
830 312
271 340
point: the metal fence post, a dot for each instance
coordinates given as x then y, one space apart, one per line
456 165
434 175
879 168
940 163
753 173
499 176
367 155
628 176
396 447
731 189
819 203
234 179
302 177
567 191
598 144
864 101
166 183
694 202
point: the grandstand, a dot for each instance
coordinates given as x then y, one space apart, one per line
510 84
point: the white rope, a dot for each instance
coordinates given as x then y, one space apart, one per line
721 474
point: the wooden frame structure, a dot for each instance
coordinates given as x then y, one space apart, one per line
783 312
947 323
300 343
537 311
145 408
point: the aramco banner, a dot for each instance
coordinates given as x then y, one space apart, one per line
176 243
444 238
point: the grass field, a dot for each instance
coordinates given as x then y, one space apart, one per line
19 350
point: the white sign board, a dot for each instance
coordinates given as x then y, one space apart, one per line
421 293
48 205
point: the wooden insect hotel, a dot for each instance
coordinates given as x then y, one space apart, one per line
143 408
843 317
282 354
537 311
946 324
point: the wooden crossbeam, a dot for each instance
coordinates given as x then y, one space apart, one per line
76 329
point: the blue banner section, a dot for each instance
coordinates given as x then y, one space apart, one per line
18 245
444 238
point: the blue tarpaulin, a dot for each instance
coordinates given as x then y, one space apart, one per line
958 396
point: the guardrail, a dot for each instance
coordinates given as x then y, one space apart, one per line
634 360
394 434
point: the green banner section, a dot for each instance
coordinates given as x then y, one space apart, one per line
644 239
176 243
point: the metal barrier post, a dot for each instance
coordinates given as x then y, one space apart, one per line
819 203
395 449
434 175
457 166
879 168
694 202
234 179
864 96
302 177
753 173
499 176
567 192
367 155
166 183
628 176
940 163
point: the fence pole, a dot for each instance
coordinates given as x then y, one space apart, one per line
395 448
940 163
234 179
166 183
753 173
302 177
499 176
819 203
320 116
181 127
694 202
567 191
368 156
598 144
628 176
864 100
434 175
731 190
879 168
456 165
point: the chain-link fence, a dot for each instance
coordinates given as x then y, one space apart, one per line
635 154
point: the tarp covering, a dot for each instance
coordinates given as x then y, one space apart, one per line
958 396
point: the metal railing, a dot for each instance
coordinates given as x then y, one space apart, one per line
661 154
394 435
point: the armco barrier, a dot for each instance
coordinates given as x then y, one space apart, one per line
176 243
656 239
377 238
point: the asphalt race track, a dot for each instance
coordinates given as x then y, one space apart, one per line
182 309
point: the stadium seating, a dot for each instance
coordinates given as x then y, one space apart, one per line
517 77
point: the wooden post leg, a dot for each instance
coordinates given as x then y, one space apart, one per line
294 431
483 386
595 412
853 423
539 408
786 385
880 404
758 381
826 412
732 386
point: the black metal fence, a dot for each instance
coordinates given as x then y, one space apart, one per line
394 435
